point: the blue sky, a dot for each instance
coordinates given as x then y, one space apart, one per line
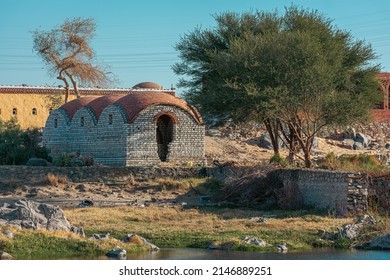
137 38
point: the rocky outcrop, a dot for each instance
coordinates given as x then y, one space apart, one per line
380 243
136 239
254 241
34 215
6 256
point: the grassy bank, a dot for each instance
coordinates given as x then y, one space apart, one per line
198 228
42 244
177 227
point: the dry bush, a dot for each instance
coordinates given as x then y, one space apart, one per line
249 187
54 179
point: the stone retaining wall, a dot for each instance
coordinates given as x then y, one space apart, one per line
32 174
341 192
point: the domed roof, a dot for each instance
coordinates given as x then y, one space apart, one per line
98 105
147 85
71 107
132 104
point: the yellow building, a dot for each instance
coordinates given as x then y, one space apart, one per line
31 105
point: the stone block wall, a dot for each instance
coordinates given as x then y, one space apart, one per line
188 138
111 141
24 175
341 192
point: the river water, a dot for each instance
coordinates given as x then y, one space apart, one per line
317 254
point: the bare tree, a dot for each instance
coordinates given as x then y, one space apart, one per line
67 52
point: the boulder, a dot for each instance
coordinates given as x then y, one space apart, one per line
363 138
254 241
38 162
86 203
259 219
100 236
282 248
136 239
350 231
6 256
8 233
357 146
350 133
266 143
117 254
35 215
366 220
347 143
381 242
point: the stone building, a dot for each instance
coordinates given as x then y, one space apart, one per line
148 125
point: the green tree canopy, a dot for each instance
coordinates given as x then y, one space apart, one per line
295 72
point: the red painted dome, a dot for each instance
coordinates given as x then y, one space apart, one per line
71 107
132 104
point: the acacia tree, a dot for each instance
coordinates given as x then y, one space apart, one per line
295 72
66 51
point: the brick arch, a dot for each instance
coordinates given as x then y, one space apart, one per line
175 120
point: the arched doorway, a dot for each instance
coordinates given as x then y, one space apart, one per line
164 133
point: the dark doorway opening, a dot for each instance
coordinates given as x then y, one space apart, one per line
164 134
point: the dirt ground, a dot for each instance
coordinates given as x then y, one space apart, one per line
142 194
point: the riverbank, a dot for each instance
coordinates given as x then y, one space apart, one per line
182 227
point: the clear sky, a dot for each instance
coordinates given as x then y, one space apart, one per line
137 38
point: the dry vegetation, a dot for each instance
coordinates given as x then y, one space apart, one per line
182 227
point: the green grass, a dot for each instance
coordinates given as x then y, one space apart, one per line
355 163
41 244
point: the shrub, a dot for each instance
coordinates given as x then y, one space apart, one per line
54 180
64 160
276 158
17 145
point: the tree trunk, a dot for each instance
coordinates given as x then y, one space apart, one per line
60 77
74 83
273 131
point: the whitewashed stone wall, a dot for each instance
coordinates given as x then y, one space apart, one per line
122 144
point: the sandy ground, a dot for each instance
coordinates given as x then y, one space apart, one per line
142 194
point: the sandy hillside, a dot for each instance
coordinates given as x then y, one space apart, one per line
248 152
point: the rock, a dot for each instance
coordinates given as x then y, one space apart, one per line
213 133
80 187
38 162
259 219
254 241
6 256
102 236
35 215
365 219
266 143
117 254
357 146
347 143
350 231
350 133
363 138
380 243
387 146
327 235
86 203
282 248
136 239
8 233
